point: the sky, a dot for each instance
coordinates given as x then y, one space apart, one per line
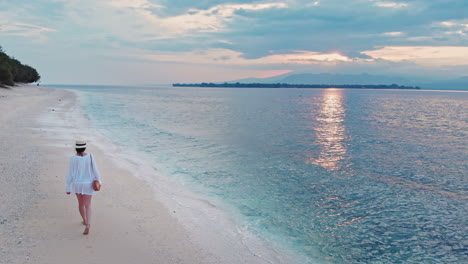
166 41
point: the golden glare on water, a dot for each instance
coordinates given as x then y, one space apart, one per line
330 131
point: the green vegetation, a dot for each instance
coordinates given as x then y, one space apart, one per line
286 85
13 71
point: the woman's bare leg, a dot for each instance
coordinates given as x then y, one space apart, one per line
87 206
81 207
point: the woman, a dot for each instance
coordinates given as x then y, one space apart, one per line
81 174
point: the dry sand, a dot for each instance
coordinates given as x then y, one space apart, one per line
39 223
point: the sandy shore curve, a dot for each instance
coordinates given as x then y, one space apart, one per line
39 223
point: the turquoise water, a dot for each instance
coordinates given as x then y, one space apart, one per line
346 176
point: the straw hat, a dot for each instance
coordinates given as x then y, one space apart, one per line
80 144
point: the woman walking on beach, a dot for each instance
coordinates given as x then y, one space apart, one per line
81 175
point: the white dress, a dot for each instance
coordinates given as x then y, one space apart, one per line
81 174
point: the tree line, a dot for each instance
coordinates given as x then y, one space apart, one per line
13 71
286 85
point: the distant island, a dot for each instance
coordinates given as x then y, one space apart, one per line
286 85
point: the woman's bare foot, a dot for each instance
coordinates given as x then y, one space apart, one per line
86 231
84 223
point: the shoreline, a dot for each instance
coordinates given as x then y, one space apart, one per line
130 220
290 85
205 219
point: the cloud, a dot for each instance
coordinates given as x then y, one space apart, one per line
263 34
23 19
314 3
256 29
390 4
393 34
34 32
230 57
145 21
429 56
330 26
20 29
210 20
137 4
454 27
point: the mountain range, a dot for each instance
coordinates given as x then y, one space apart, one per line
364 78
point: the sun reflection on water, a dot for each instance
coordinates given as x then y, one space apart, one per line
330 131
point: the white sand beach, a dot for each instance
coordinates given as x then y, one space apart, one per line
39 223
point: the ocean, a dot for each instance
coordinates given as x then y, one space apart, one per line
334 175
